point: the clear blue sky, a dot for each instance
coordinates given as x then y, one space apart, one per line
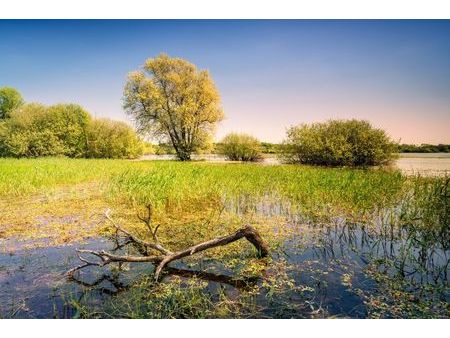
271 74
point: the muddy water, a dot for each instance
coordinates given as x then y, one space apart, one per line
328 265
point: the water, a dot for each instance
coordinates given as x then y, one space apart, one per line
424 164
333 268
409 163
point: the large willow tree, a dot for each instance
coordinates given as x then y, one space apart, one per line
173 100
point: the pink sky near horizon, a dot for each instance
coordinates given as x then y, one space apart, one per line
407 123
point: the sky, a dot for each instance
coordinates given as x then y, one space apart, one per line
271 74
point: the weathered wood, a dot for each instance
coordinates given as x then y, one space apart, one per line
248 232
166 256
156 246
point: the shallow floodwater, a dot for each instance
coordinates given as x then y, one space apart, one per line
424 164
327 263
409 163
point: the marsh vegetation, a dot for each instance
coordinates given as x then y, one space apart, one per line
343 242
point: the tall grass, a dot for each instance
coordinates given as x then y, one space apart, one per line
20 177
314 190
306 188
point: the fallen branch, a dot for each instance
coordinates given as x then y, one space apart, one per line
248 232
165 256
157 246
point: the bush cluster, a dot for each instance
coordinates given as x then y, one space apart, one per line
35 130
10 99
241 147
338 143
112 139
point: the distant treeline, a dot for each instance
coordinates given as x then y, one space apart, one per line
424 148
275 148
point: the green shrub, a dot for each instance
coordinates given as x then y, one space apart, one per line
338 143
35 130
69 123
164 149
10 99
148 148
28 133
241 147
112 139
269 148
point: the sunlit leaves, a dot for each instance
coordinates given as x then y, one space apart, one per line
173 101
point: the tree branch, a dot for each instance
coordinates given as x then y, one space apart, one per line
166 256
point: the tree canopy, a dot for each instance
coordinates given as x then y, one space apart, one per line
172 100
10 99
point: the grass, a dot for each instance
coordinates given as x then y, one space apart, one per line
21 177
184 193
54 197
308 188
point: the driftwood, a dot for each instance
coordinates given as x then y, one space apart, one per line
161 255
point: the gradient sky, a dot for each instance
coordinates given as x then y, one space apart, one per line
271 74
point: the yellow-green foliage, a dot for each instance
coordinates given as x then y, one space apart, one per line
173 100
10 99
149 148
241 147
35 130
112 139
338 143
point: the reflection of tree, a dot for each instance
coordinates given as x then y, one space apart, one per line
242 283
114 280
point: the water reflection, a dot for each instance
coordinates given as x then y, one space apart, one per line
329 264
401 251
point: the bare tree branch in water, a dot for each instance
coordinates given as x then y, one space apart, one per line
163 256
